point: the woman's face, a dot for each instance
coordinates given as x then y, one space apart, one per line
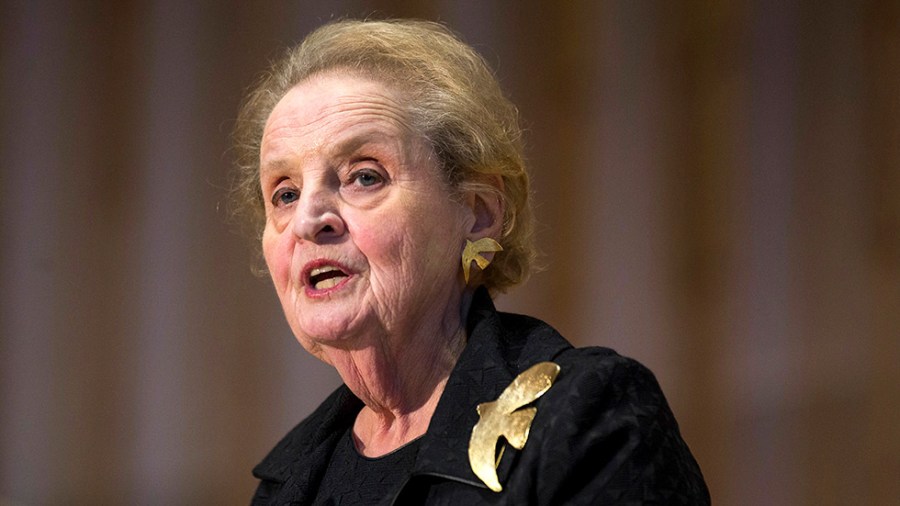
362 237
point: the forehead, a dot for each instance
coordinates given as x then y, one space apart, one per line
333 104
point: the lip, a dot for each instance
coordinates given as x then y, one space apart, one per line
319 263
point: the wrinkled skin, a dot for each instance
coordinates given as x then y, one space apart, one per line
349 185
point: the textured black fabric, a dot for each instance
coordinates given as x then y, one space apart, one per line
603 434
351 479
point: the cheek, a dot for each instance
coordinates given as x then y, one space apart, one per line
382 246
277 256
412 240
408 250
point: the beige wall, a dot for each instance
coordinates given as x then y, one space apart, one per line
719 196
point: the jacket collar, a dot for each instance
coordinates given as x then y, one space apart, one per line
499 347
300 459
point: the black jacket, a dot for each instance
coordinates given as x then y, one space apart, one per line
603 433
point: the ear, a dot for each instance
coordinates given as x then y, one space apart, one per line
486 205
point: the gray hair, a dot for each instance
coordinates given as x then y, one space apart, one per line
453 100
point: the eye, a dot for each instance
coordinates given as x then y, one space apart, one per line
284 196
366 178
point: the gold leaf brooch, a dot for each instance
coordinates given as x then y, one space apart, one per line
504 417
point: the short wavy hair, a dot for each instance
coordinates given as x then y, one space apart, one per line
452 98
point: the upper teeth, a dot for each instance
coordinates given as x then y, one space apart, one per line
322 270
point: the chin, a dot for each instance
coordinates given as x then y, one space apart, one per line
330 327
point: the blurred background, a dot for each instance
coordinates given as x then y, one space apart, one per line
717 184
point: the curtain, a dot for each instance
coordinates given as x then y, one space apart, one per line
718 193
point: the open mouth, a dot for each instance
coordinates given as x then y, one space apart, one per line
326 276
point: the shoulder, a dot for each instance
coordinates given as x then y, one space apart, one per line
605 430
590 370
590 378
602 376
599 391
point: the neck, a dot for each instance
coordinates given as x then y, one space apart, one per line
399 380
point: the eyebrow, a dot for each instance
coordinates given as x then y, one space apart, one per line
276 165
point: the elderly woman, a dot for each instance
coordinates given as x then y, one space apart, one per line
385 168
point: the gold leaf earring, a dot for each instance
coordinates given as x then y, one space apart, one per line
473 252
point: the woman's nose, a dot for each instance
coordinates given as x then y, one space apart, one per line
317 217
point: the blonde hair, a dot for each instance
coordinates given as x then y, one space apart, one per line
453 100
